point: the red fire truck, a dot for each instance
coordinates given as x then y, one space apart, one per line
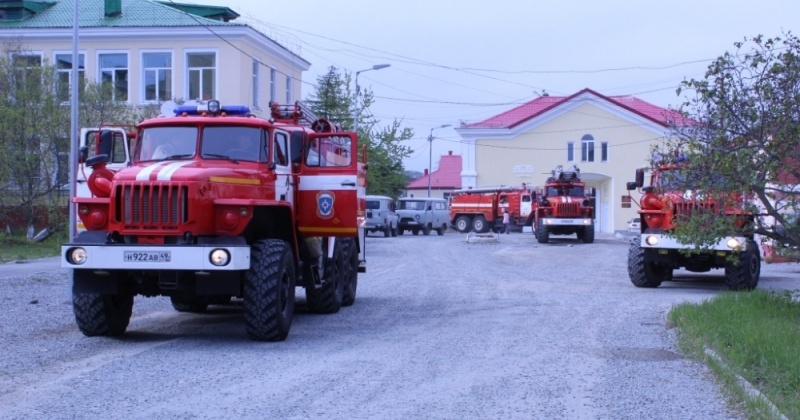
219 204
481 209
563 207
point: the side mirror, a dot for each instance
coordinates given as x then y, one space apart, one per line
83 154
639 177
630 186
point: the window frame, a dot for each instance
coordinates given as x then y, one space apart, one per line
68 72
288 89
587 148
570 151
256 83
273 84
143 76
188 70
100 68
603 151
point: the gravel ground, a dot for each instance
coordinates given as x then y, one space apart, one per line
441 329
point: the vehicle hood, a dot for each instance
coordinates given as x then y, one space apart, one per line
186 170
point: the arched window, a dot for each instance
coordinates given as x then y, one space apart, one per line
587 148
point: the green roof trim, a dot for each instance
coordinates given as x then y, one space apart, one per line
221 13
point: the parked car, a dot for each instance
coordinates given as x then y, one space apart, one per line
381 216
634 225
422 215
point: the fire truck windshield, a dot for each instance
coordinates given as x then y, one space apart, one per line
565 191
166 143
233 142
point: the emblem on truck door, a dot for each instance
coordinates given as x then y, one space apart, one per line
325 201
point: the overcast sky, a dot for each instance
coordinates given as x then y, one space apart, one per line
466 60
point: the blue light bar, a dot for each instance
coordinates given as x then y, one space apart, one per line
231 110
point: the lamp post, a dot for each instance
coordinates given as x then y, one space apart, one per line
355 96
430 156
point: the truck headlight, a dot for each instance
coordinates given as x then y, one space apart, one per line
733 243
651 240
220 257
77 256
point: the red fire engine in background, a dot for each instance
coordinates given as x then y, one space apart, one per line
219 204
564 207
481 209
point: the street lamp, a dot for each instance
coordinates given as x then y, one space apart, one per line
430 156
355 97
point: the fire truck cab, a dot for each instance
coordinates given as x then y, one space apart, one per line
219 204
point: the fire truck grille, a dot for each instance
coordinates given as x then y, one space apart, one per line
687 209
568 209
156 207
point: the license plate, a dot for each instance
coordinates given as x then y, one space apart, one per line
567 222
148 256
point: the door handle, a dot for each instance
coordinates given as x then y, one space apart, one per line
348 184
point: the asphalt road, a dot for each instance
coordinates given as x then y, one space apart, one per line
441 329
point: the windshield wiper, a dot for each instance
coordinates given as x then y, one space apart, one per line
220 156
173 157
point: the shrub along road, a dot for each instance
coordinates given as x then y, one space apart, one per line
440 329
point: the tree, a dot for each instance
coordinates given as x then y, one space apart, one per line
746 137
334 100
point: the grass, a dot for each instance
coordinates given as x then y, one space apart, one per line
13 248
757 336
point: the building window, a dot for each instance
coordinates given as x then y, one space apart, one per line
570 151
64 75
114 71
157 70
256 84
28 72
587 148
273 89
604 151
202 74
288 89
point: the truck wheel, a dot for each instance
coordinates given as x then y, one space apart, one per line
645 274
745 274
192 304
542 234
327 298
400 231
479 225
98 314
269 291
441 230
350 272
588 234
426 230
463 224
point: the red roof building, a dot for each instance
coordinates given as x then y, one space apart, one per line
445 178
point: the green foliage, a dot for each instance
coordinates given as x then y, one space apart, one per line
745 144
14 248
757 336
385 151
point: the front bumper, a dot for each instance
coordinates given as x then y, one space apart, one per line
661 241
159 257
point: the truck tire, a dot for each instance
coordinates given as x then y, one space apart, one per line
542 234
463 224
327 298
745 274
588 234
196 304
480 225
98 314
350 272
645 274
269 291
400 231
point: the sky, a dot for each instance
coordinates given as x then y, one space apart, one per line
454 61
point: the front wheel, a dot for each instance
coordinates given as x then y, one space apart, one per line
588 234
746 271
542 234
98 314
327 298
350 272
269 291
645 274
463 224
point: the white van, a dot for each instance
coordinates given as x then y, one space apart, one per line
422 215
381 216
